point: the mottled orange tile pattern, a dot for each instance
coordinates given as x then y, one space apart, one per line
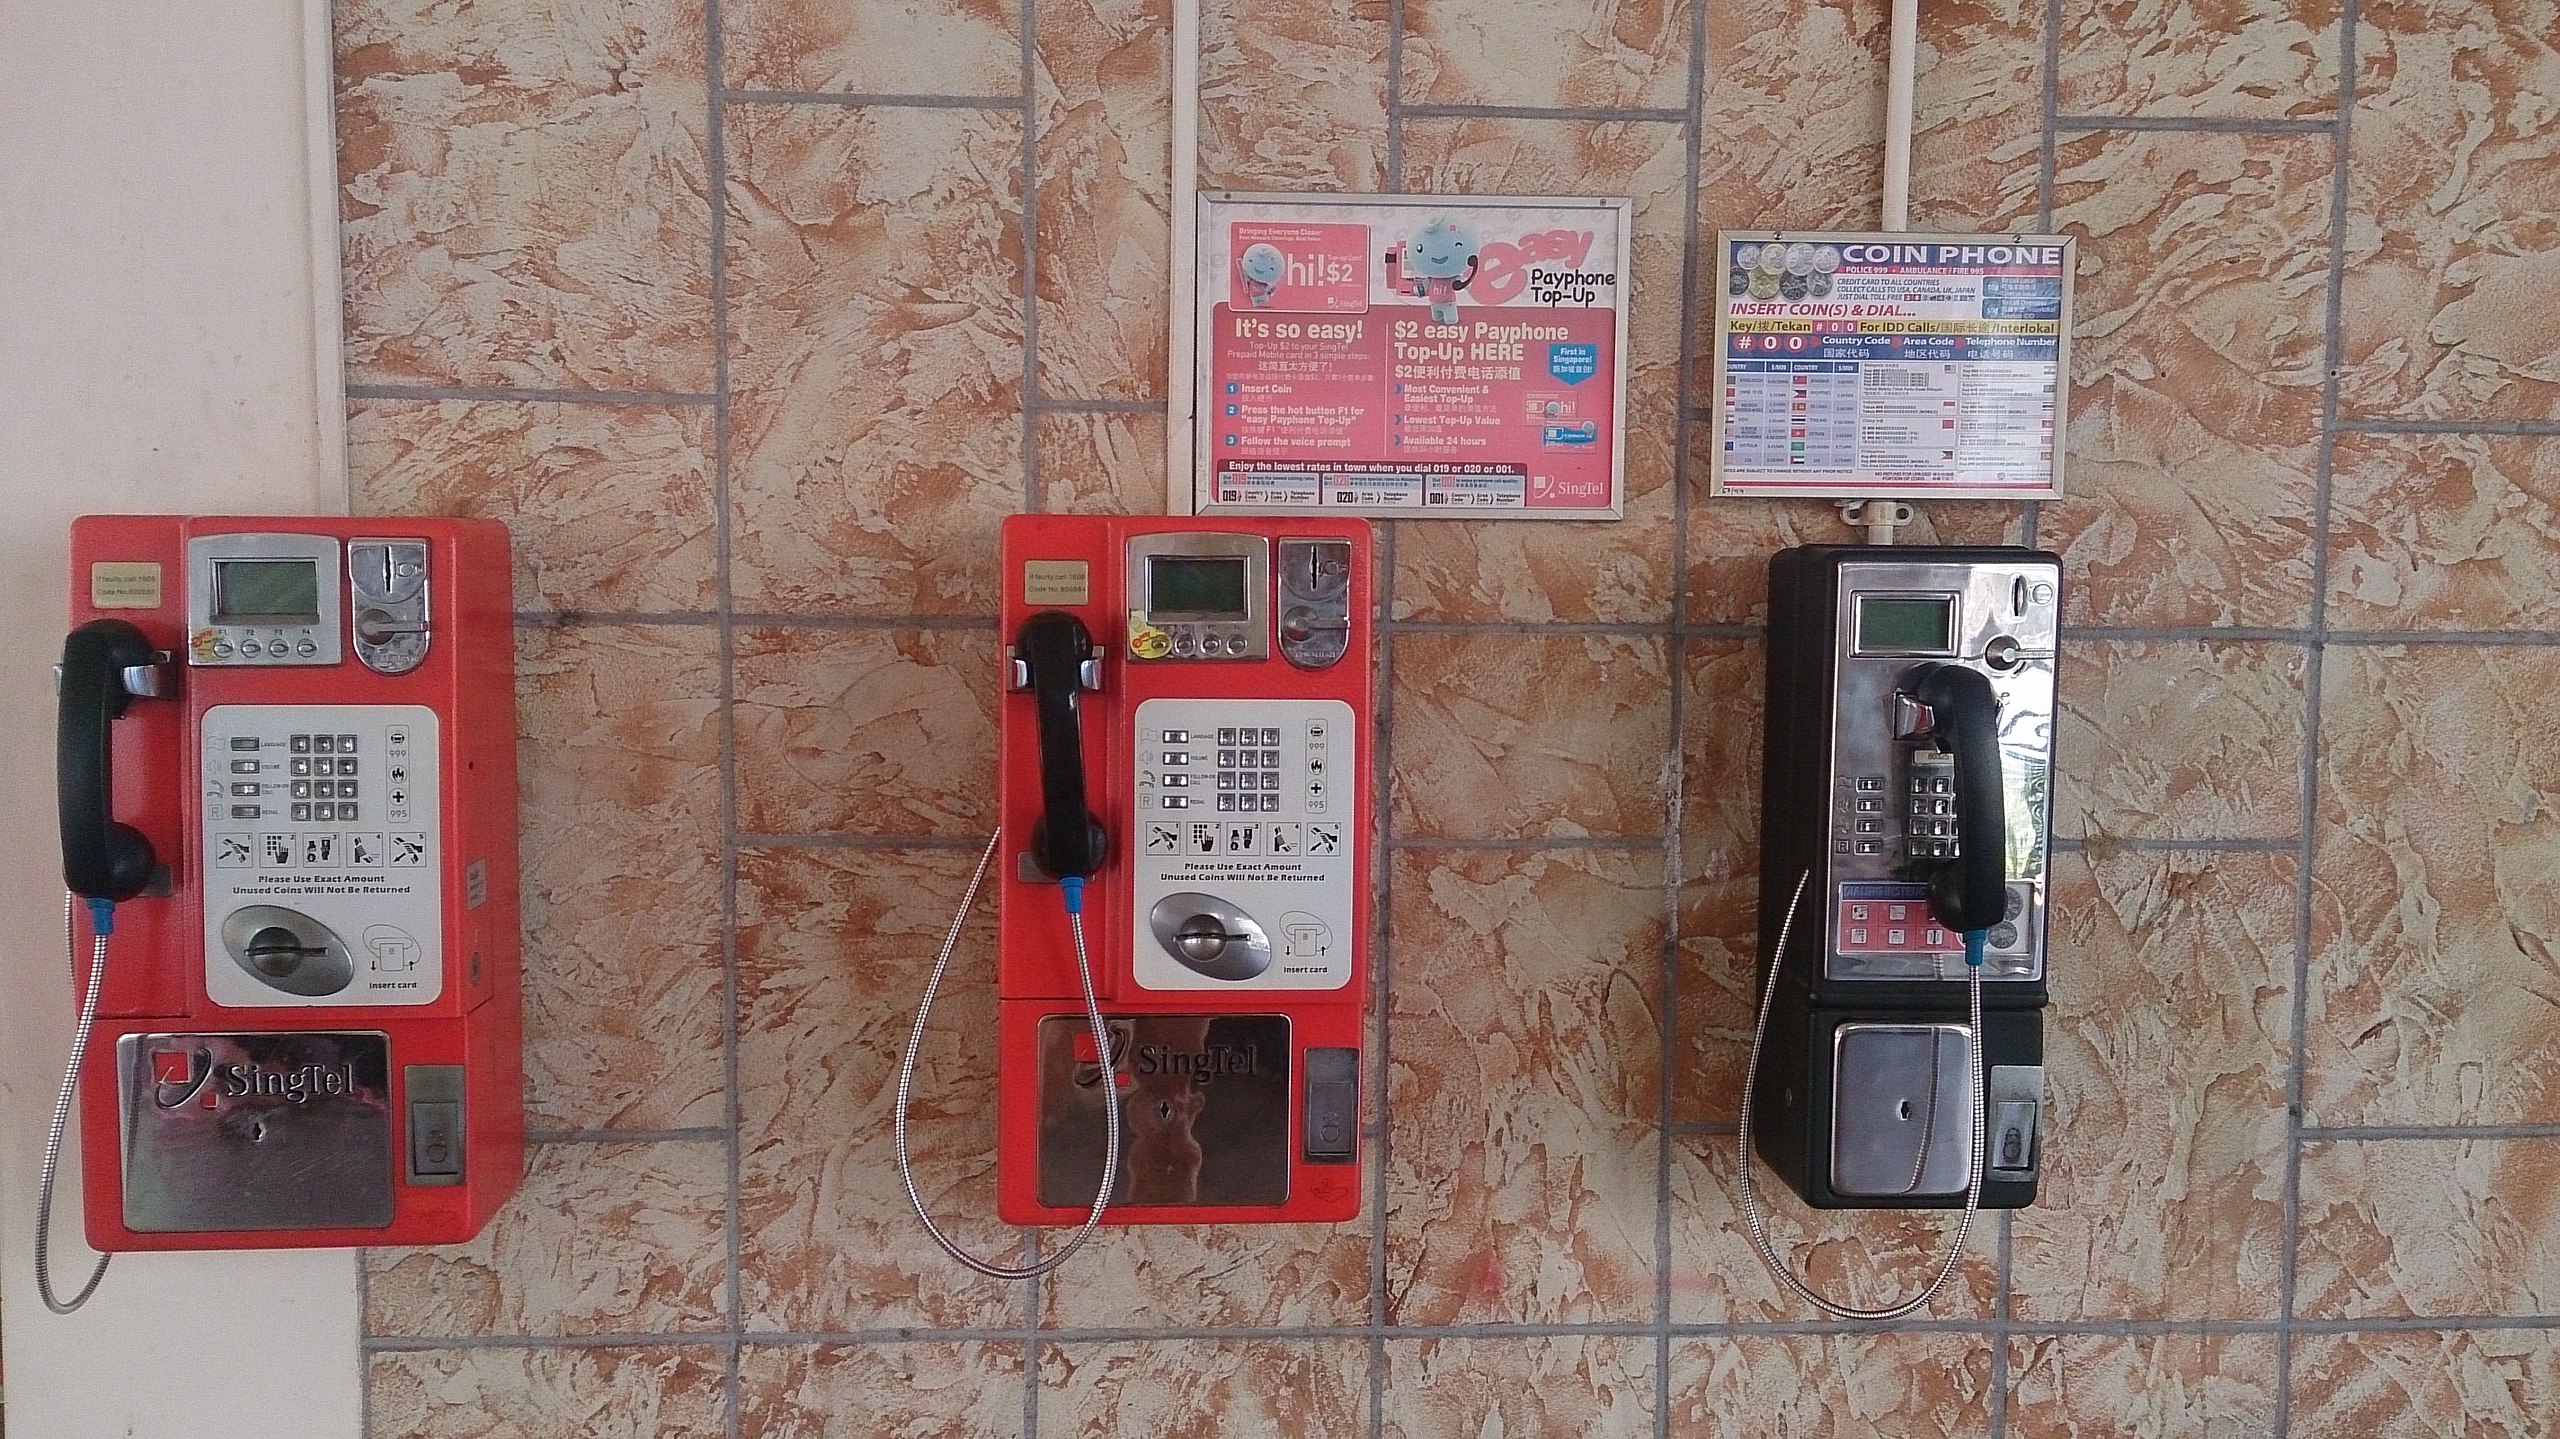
1524 1085
2450 249
522 190
755 497
2166 1056
1195 1386
2084 1386
1848 1386
2480 1383
2438 876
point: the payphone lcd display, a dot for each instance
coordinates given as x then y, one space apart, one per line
1200 587
1905 624
266 592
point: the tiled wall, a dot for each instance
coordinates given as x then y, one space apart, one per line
755 315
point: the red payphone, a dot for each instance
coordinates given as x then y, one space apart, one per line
1182 748
288 798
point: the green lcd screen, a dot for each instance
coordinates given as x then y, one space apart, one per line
266 592
1906 624
1196 587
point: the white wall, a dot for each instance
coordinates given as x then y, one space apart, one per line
168 342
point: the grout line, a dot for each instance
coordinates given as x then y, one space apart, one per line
1052 405
1027 24
2334 1133
1027 32
2388 426
767 619
860 100
2194 124
1614 113
1777 1329
2213 634
561 619
2323 490
2532 639
1676 778
1527 627
529 394
2049 105
733 1256
1395 114
1704 1128
751 839
1531 843
2003 1324
698 1134
364 1333
1381 952
2114 844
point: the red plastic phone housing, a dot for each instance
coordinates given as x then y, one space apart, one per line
1036 968
160 959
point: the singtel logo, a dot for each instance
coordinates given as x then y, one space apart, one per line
1204 1064
180 1077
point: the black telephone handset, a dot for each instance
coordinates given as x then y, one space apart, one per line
1054 658
1970 892
101 859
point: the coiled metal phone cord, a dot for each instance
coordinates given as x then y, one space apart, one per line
102 924
1073 891
1973 1184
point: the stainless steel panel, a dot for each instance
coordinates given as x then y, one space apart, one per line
255 1131
1901 1109
2008 612
1254 630
1204 1110
209 643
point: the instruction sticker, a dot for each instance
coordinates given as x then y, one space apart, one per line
1854 365
1420 356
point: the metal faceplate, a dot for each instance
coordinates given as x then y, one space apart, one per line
1204 1109
1244 823
255 1131
1901 1109
2007 617
251 640
324 855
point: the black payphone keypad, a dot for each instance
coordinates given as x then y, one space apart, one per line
1929 805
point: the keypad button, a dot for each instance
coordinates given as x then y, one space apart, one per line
1171 781
1868 846
244 741
1226 779
1270 804
244 766
324 765
306 649
1226 759
245 790
1270 779
302 789
346 765
1177 801
1176 757
302 813
1270 734
1870 783
346 744
1226 802
346 813
324 744
1271 757
1177 736
1870 806
244 811
326 789
302 766
1227 737
299 744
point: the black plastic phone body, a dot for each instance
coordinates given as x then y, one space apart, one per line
1873 742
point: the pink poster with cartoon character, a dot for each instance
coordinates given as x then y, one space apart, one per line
1429 356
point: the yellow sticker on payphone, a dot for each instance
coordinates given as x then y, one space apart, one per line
124 585
1145 640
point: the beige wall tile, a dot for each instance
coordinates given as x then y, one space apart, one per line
2166 1052
653 1392
1731 540
2444 532
1977 112
2482 1384
619 761
866 731
1865 1257
873 47
1293 95
2437 910
609 506
2196 1386
1721 744
1597 1387
1586 53
1508 735
1102 464
2258 59
1204 1387
2196 359
2450 259
602 1239
1102 107
2429 1227
1842 1386
1524 1086
2179 739
833 950
521 194
1458 570
1227 1276
950 1391
875 307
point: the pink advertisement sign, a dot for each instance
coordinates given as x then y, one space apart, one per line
1414 355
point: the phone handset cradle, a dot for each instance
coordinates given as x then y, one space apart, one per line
1054 658
106 665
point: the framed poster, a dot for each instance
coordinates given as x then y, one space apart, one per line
1410 356
1851 366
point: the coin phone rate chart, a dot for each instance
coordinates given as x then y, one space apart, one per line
1185 719
289 794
